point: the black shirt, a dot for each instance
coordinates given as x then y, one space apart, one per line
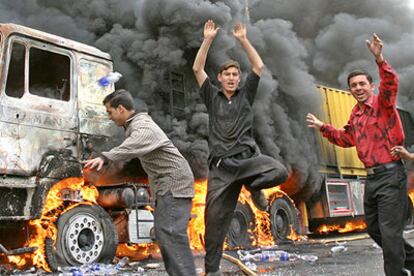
230 121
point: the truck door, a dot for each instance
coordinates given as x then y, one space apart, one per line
37 104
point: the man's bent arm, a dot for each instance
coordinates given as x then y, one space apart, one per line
388 87
340 137
135 145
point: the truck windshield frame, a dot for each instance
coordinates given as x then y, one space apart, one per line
38 69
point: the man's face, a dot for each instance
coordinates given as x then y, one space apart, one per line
229 79
360 88
116 114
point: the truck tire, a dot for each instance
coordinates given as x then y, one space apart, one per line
283 216
242 221
85 235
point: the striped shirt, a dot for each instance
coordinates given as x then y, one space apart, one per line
166 168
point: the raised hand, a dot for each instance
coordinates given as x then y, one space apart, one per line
239 31
375 46
210 30
313 122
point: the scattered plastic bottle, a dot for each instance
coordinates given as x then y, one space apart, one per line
257 257
338 248
284 256
122 263
246 258
112 77
251 265
269 256
309 258
293 257
76 271
94 268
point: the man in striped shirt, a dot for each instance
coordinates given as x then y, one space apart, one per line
169 173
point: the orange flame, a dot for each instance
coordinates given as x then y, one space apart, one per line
262 230
196 226
411 195
137 252
55 206
45 226
348 227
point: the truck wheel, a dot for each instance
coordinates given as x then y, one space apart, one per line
283 216
85 235
243 220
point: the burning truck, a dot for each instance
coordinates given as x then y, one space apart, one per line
51 116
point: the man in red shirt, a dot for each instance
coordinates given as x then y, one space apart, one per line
374 128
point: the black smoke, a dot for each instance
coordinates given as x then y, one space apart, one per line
303 43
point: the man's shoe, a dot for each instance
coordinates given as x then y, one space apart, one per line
406 272
259 200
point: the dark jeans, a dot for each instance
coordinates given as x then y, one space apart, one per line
385 203
171 219
223 191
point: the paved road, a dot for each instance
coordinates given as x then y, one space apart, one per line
361 257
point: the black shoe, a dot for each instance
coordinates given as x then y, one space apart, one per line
259 200
406 272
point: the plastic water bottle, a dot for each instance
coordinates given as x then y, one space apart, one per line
76 271
95 268
112 77
269 256
338 248
257 257
284 256
309 258
122 262
251 265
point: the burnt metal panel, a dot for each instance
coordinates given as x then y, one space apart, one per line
93 118
8 29
13 202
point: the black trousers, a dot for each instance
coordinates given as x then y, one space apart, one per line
385 204
224 185
171 219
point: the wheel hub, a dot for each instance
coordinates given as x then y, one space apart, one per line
282 223
84 238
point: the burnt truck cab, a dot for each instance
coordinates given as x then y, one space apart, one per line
51 117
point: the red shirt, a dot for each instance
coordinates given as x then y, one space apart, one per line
375 126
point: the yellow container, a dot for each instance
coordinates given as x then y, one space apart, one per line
336 109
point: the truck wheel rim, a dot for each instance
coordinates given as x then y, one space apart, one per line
83 238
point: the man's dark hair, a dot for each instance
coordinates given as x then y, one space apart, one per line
120 97
228 64
358 73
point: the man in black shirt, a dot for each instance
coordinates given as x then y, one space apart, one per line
235 159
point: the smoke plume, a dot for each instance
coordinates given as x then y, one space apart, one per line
303 43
